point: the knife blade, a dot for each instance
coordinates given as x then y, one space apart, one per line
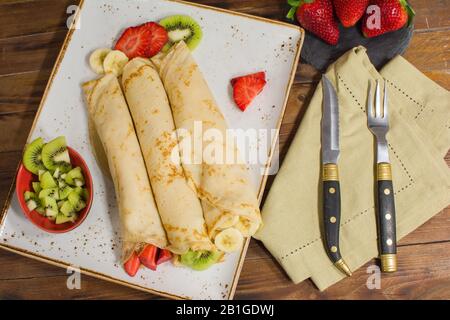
330 175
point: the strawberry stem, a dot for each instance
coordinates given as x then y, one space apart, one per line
409 10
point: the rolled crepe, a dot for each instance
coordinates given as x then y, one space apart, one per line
139 217
178 205
228 197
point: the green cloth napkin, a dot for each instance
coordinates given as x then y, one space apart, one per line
418 139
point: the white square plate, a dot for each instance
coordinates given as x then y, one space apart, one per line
233 44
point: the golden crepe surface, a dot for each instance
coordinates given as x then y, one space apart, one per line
228 197
139 217
178 205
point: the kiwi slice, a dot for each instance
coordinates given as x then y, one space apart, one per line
52 193
32 159
182 28
56 156
67 209
50 206
47 181
200 260
75 200
29 195
75 177
64 192
61 218
36 186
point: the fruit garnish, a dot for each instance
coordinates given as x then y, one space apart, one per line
134 42
394 15
158 40
56 156
200 260
143 41
114 62
258 75
350 11
97 58
32 157
163 256
317 17
58 196
132 265
149 256
182 28
229 240
246 88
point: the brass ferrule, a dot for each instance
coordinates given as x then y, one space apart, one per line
384 172
342 266
388 262
330 172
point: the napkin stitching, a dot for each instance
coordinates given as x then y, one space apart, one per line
411 180
422 106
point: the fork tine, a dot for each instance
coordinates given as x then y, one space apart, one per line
385 103
377 101
370 101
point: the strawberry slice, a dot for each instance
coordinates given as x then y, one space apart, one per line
149 256
132 265
134 42
258 75
246 89
159 38
164 256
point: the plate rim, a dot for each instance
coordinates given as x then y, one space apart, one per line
55 69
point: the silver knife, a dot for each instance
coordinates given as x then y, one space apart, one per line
330 175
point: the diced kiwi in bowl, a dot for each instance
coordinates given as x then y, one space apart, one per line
55 183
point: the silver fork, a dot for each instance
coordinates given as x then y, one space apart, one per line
378 122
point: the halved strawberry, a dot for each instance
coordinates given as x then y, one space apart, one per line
164 256
159 38
246 89
258 75
132 265
134 42
149 256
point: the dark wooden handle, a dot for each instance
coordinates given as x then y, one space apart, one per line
332 218
386 219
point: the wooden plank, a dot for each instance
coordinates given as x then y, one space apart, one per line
35 52
23 88
30 17
423 274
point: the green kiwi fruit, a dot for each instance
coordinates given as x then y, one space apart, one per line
52 193
182 28
32 157
50 206
36 186
67 209
64 192
200 260
61 218
47 181
56 156
75 177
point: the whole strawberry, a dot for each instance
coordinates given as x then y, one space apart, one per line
317 17
385 16
350 11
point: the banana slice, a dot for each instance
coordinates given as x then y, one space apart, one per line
96 60
246 227
227 221
229 240
114 62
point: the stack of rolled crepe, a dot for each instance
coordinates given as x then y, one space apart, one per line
139 217
228 198
200 203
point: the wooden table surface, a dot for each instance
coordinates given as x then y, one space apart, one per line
31 34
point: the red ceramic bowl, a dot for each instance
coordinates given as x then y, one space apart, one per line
23 183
